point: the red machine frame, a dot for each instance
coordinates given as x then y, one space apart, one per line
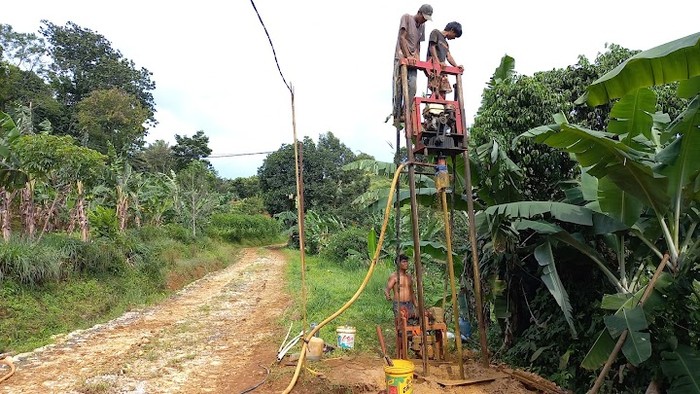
416 127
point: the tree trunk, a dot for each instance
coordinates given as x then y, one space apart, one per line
28 211
82 217
5 213
194 216
122 208
49 213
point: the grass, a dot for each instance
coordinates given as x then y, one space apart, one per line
30 315
330 286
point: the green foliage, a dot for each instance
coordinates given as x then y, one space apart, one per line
112 117
245 187
31 263
195 200
327 186
678 59
189 149
348 247
103 222
156 157
239 228
84 61
11 176
59 159
682 367
248 206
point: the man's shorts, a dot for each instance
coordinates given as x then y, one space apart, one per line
404 304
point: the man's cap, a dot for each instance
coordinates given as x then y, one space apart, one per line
427 11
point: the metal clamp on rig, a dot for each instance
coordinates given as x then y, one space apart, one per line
437 127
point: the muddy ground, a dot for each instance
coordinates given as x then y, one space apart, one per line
219 334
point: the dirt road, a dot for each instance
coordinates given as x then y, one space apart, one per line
208 338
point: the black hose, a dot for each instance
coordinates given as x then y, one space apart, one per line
249 389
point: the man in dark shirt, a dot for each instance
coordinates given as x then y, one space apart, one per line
411 33
438 52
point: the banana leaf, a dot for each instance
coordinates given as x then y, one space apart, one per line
679 159
631 115
602 155
674 61
637 346
550 277
682 368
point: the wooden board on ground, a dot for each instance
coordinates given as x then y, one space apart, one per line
460 382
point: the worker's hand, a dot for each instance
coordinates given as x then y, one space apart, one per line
460 67
411 61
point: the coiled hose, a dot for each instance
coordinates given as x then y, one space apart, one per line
370 271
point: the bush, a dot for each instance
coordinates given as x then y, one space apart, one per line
103 222
348 247
237 228
31 263
248 206
179 233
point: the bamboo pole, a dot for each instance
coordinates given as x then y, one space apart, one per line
453 287
299 170
623 336
472 232
414 216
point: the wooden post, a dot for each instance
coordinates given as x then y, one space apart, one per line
414 216
472 231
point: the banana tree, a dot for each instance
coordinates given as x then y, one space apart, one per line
647 178
11 178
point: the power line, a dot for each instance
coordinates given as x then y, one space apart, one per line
271 46
238 154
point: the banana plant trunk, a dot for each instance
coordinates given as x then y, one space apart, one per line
82 216
49 213
6 213
122 208
28 209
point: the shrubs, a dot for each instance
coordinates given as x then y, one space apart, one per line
349 247
237 228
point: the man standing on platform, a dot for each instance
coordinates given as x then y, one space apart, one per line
411 33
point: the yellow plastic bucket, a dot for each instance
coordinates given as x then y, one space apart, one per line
399 378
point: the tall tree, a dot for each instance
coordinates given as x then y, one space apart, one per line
113 117
157 157
189 149
327 187
23 50
83 61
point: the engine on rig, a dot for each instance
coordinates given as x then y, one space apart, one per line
439 123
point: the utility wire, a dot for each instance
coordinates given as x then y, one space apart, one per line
237 154
273 48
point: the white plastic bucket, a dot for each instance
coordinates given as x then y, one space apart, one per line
346 337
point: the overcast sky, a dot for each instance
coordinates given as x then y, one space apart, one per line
214 69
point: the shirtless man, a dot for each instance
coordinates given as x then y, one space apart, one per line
402 285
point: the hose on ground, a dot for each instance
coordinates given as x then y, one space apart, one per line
370 271
11 365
